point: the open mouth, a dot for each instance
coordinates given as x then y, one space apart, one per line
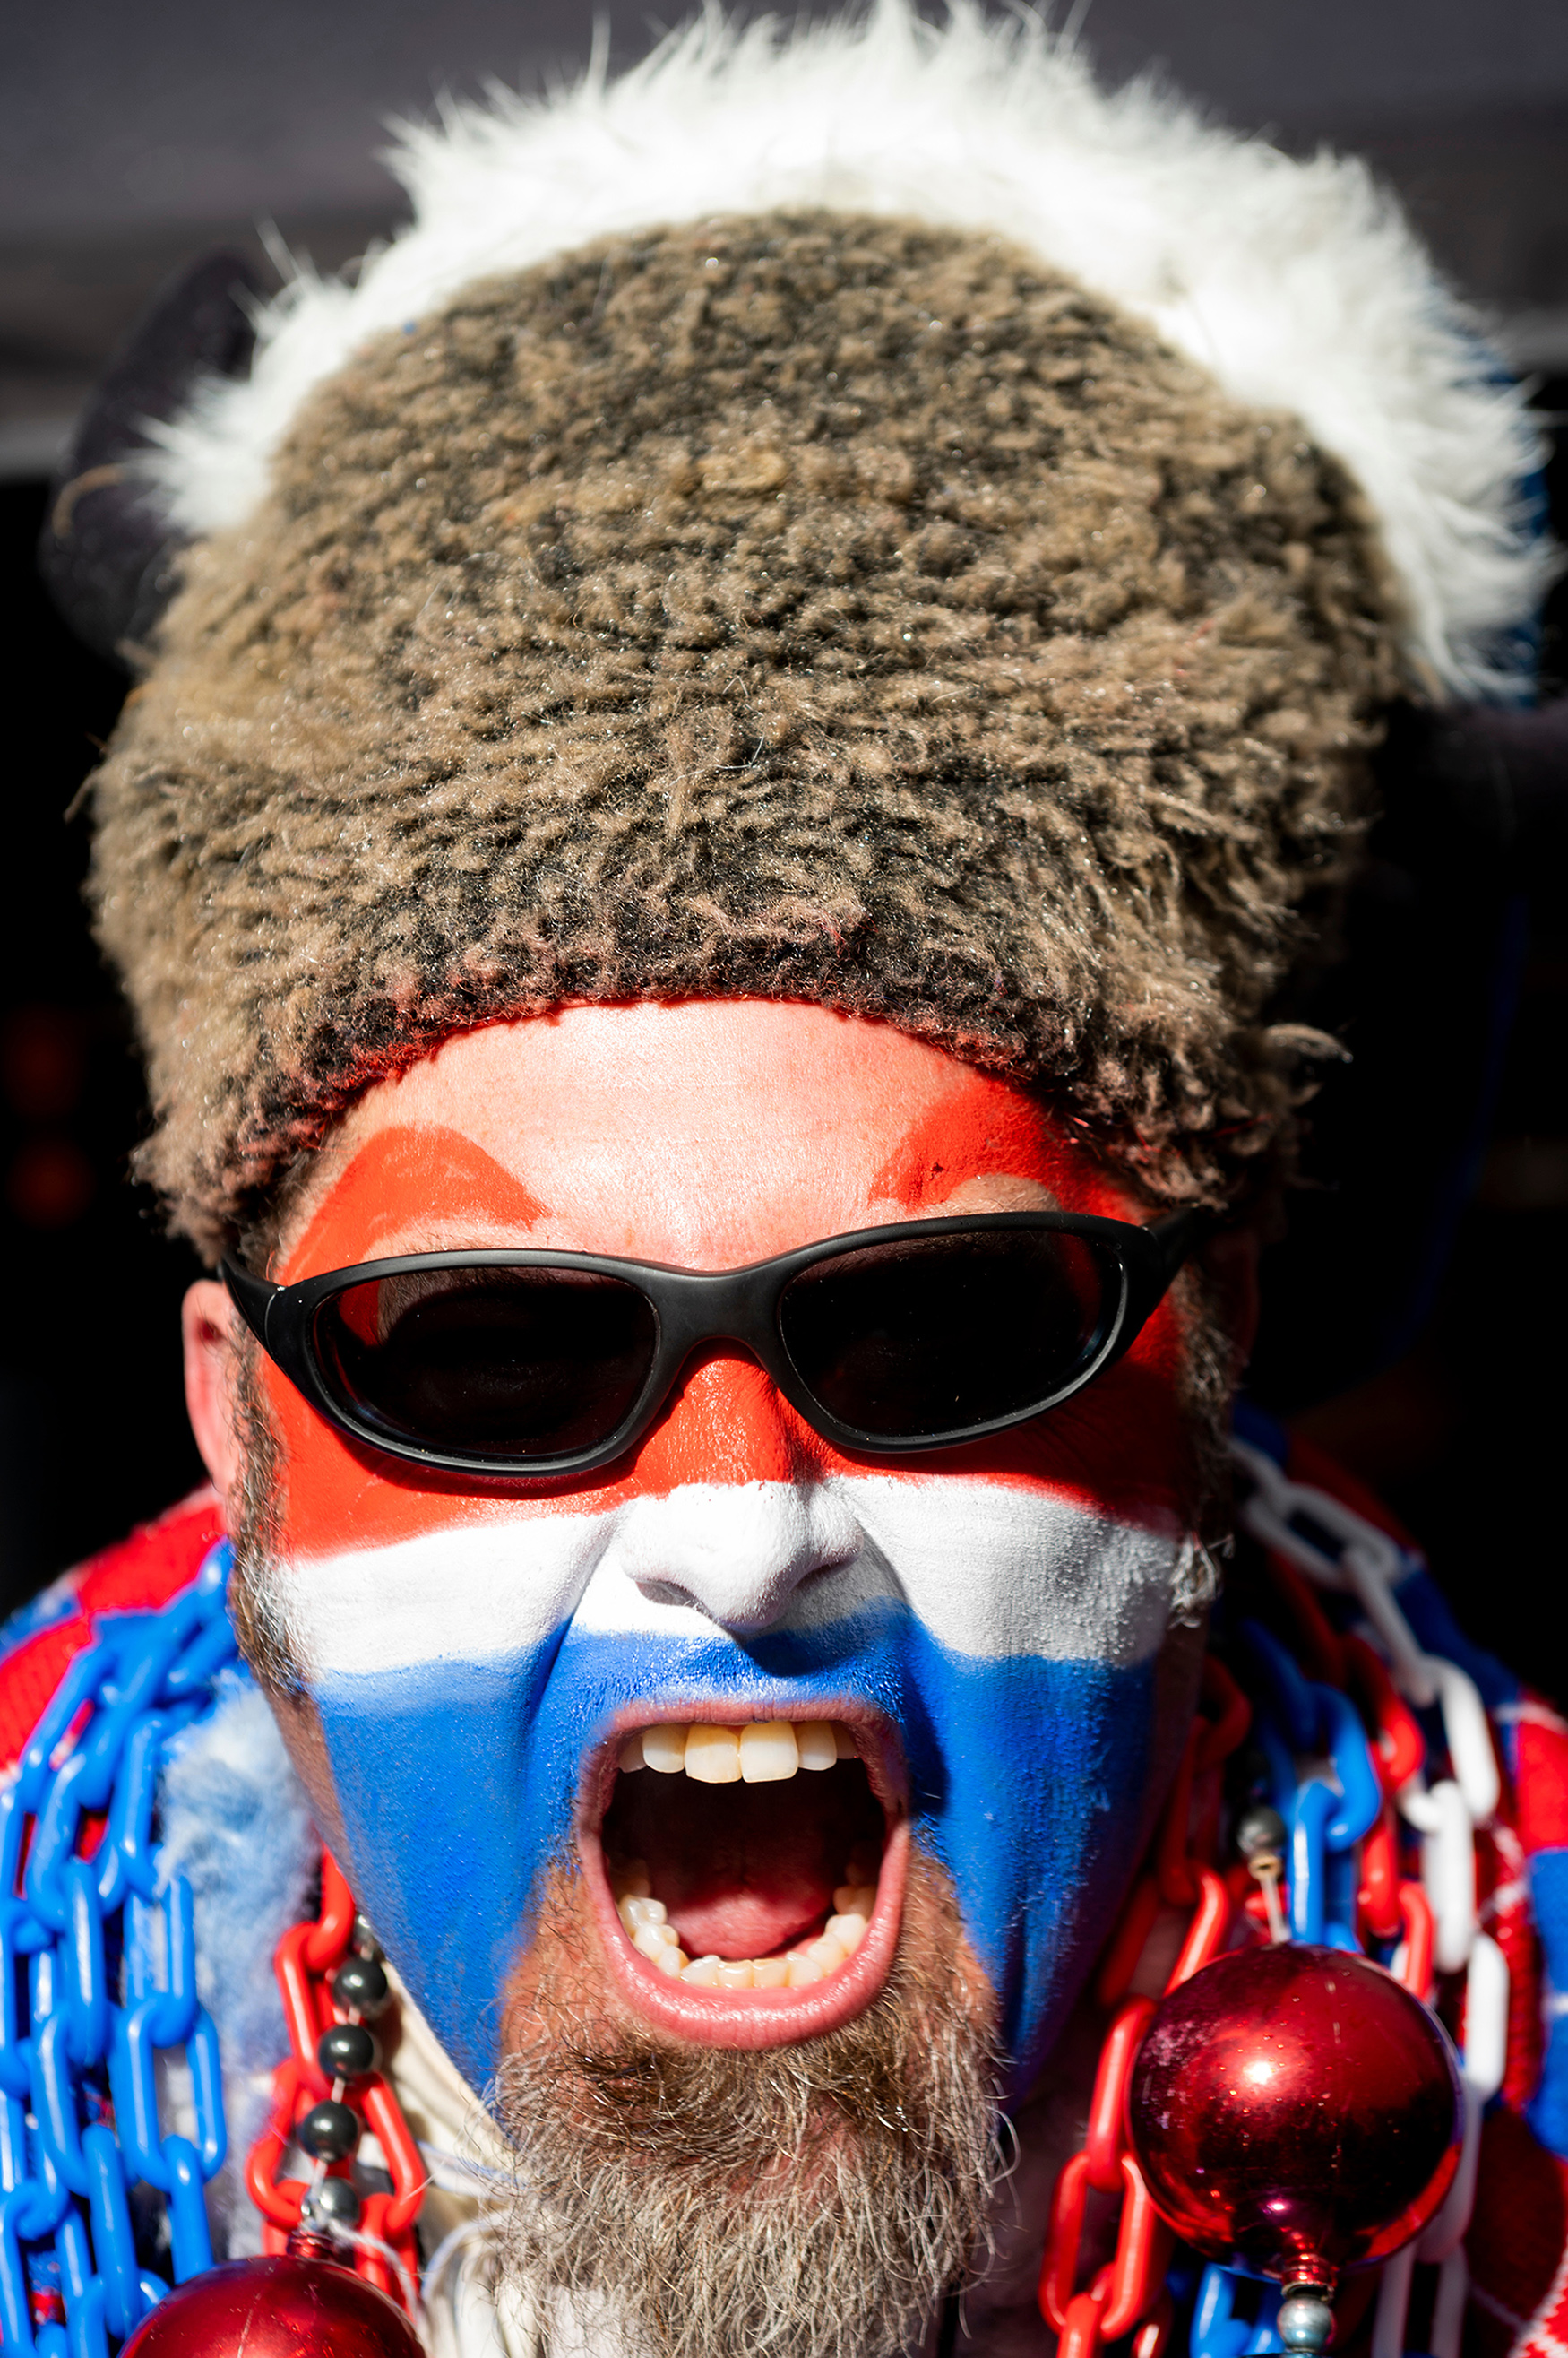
749 1874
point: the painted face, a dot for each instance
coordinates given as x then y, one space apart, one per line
740 1680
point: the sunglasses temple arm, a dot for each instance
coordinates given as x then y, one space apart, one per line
1178 1237
252 1297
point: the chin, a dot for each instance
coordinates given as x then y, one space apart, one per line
720 2168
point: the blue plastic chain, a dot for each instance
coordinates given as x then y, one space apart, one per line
98 1982
1294 1717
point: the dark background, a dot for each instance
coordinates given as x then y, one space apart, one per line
1412 1314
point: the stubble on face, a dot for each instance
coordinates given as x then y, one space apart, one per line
806 2201
255 1585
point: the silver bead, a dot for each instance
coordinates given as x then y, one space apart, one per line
1261 1829
334 2200
1305 2323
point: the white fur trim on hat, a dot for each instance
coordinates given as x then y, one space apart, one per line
1297 284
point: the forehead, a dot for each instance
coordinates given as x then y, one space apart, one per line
709 1131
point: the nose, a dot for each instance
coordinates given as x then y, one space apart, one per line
731 1516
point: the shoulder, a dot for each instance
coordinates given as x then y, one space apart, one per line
138 1575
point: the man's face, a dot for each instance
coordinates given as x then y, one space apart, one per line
987 1632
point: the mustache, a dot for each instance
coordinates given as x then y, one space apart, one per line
808 2201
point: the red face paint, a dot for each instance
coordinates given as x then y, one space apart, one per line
398 1171
990 1131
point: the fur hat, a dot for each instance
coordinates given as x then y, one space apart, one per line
862 517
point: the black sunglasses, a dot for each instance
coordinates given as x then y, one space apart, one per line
887 1341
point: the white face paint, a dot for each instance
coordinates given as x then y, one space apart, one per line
992 1570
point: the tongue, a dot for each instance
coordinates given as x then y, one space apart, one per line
744 1870
734 1915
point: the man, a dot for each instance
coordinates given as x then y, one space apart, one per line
793 662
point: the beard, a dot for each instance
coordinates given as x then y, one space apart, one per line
806 2201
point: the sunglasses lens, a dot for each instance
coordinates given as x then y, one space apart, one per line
943 1335
489 1363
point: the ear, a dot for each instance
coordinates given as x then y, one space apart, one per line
209 1323
1230 1261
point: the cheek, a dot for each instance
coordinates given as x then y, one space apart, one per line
300 1723
1128 1434
1122 1446
1043 1774
1032 1725
337 1496
1002 1572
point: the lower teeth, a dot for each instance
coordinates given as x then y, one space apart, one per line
652 1934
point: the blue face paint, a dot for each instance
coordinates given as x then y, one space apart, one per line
457 1784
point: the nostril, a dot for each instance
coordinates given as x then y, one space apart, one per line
668 1591
740 1604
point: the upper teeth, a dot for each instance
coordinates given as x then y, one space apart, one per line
759 1752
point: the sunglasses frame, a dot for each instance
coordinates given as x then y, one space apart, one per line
733 1306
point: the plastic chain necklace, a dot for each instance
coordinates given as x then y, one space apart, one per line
85 1907
97 1979
109 1987
1335 1879
325 2094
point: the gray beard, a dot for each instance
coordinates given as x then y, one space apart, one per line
808 2201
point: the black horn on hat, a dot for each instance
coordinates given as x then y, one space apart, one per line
107 552
1482 789
1470 847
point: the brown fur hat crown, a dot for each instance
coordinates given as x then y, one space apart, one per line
807 606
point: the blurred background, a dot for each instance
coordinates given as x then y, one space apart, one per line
1413 1310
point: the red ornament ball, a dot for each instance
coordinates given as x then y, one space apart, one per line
284 2307
1298 2107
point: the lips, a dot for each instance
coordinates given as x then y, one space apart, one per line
747 1874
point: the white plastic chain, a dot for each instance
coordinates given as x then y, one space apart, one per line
1369 1566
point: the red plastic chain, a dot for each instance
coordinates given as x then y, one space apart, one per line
1391 1907
305 1961
1129 2294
